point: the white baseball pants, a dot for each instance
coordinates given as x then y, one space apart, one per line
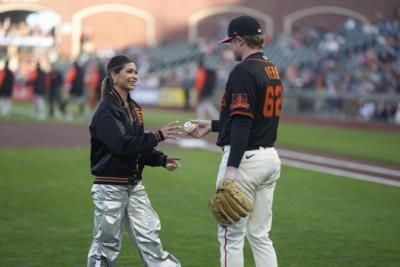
5 106
129 205
206 107
257 174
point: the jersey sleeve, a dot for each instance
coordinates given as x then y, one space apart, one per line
242 88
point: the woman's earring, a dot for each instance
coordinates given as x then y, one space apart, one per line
114 82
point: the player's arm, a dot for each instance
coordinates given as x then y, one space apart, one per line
240 133
242 86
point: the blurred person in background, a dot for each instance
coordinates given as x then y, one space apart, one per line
37 79
95 73
7 79
120 149
187 84
397 114
102 74
205 85
367 110
382 112
54 84
74 89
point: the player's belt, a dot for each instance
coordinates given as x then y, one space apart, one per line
225 148
258 147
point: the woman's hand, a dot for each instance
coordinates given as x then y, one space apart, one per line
172 130
173 163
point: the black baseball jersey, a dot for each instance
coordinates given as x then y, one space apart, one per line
254 90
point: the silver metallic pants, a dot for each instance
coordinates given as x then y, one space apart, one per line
129 205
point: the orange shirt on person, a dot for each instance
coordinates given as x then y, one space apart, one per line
200 80
70 77
2 74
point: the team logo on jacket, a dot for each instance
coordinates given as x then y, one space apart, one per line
139 115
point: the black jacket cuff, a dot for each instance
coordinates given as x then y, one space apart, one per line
163 160
159 136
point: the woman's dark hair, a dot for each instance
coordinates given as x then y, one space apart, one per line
115 65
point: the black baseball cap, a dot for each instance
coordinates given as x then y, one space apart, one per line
242 26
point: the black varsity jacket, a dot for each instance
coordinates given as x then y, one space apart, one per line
119 147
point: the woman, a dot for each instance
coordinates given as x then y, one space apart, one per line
119 151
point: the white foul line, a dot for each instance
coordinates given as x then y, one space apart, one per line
288 155
337 162
338 172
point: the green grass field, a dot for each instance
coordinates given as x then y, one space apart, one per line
319 220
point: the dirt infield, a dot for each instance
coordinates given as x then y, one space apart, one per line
44 135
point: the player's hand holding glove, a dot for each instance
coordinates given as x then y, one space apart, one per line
230 203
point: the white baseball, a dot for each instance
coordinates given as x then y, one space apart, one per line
189 127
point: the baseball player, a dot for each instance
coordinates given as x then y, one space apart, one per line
7 79
248 124
119 151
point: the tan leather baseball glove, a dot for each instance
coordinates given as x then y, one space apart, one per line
230 203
